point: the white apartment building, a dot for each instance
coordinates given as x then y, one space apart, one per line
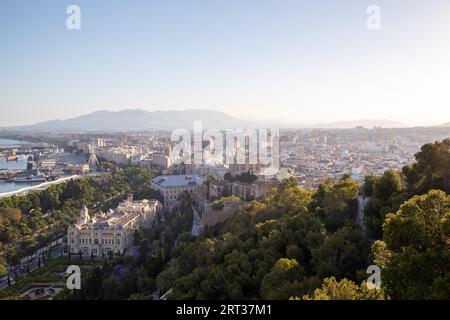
110 232
115 155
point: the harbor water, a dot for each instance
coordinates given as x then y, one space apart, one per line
20 164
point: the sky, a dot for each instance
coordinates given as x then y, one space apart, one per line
292 62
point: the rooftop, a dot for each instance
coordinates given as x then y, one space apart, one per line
178 180
115 219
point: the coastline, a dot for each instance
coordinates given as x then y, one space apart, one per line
41 186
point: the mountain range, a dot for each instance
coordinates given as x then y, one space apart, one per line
141 120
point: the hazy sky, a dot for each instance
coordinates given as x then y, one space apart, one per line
297 62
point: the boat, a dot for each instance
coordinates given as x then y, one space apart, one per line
30 179
39 177
11 158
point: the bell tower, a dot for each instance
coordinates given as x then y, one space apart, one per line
84 215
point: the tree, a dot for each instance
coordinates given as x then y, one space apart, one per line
431 170
387 196
12 214
336 203
342 255
73 190
49 200
374 215
387 185
2 266
91 287
144 284
344 290
368 186
280 283
138 296
113 289
414 254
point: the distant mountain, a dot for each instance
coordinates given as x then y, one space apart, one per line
141 120
366 123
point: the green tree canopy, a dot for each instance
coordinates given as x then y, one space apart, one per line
342 254
387 185
344 290
281 282
414 253
431 170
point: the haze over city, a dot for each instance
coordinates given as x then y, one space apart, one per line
292 63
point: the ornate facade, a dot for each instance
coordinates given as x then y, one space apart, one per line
110 232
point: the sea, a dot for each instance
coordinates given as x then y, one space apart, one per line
21 164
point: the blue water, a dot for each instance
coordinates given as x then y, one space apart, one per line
9 143
21 164
11 186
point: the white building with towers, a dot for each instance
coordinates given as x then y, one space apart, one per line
103 233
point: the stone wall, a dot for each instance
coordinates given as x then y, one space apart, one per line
212 217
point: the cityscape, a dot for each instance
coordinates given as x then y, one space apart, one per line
314 165
35 162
